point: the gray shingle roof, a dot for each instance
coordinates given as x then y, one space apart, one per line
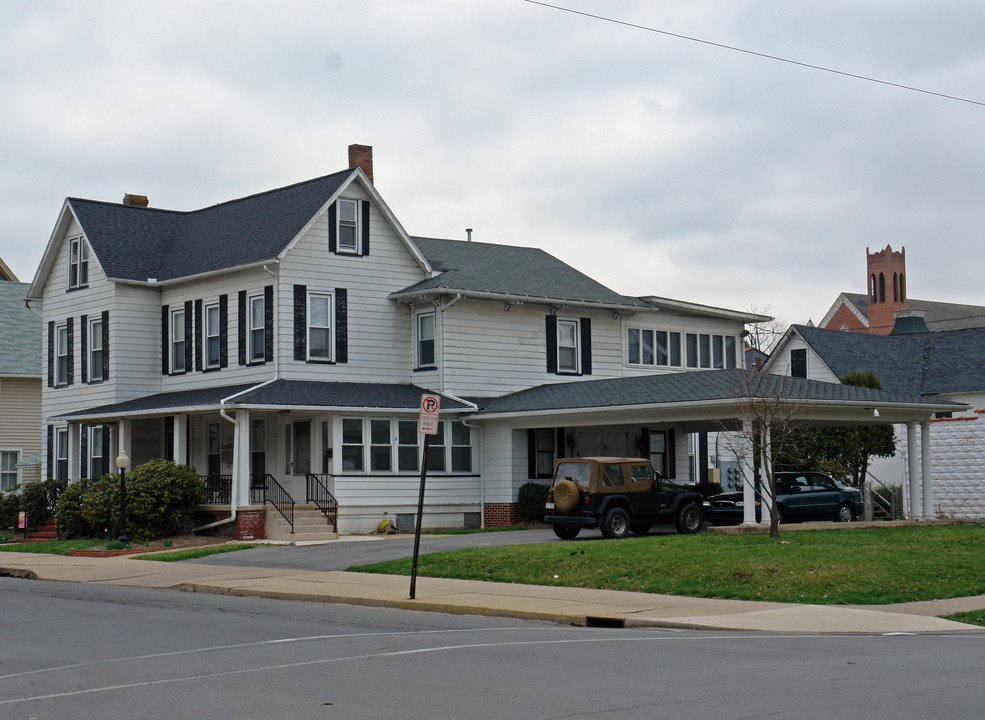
509 270
20 340
172 244
308 393
927 363
940 315
683 387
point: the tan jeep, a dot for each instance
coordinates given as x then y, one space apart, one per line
618 495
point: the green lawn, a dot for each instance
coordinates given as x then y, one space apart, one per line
52 547
844 566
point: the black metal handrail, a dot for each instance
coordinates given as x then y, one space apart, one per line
265 489
45 497
319 494
218 489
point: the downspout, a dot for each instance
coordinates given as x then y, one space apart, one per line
27 304
233 494
482 440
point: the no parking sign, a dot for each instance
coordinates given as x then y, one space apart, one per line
427 422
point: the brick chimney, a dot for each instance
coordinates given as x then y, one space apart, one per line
362 156
135 200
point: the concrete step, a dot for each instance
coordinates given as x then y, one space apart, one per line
309 525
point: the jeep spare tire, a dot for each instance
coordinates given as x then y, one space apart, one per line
566 496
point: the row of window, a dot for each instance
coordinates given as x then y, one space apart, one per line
662 348
94 344
93 456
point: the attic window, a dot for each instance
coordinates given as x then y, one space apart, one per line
78 264
348 226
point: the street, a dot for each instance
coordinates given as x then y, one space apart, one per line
89 651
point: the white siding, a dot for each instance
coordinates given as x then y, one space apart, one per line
816 369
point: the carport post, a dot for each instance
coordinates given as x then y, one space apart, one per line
748 489
925 456
913 460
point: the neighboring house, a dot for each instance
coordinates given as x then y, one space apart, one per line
282 342
20 386
945 365
877 311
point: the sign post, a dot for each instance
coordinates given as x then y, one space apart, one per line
427 424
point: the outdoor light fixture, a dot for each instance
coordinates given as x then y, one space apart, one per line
123 462
875 412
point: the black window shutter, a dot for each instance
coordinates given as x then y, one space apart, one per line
51 451
51 354
332 230
223 331
586 346
198 334
341 325
300 322
531 453
189 321
71 350
84 342
268 323
106 447
671 454
552 344
105 319
242 327
365 227
83 450
165 365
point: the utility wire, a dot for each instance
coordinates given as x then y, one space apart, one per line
752 52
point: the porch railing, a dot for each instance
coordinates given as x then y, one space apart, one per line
218 489
319 495
265 489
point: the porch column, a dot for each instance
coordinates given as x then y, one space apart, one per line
748 489
925 455
180 447
913 459
74 439
122 442
241 458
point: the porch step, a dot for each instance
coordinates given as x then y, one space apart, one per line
47 531
309 524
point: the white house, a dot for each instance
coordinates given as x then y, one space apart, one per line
280 344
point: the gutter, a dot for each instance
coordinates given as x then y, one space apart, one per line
513 298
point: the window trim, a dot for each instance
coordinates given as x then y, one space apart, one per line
13 470
175 340
96 451
420 340
801 361
62 352
252 344
78 264
354 249
61 440
374 445
208 337
95 353
329 329
575 326
361 469
663 342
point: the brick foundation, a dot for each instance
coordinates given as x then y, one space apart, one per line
249 524
501 514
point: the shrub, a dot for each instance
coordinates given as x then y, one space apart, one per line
69 519
39 499
10 505
530 501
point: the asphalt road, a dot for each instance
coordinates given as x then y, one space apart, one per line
363 550
97 651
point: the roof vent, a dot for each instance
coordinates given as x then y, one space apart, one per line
135 200
910 321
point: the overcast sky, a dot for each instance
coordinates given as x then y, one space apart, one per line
655 164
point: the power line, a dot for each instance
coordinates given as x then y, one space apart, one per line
753 52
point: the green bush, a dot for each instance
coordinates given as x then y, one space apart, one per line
530 501
39 500
161 497
10 505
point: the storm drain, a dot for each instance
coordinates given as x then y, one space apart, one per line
604 622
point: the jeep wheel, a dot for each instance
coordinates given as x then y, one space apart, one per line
615 524
640 528
565 532
566 497
689 519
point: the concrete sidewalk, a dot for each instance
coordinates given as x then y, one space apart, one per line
576 606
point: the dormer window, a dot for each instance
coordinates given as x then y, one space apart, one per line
78 264
348 226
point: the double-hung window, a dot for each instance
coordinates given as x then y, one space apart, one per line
408 450
348 226
461 447
436 450
78 264
256 330
567 346
425 340
61 355
178 341
96 350
8 470
380 446
61 453
352 445
320 326
97 461
212 332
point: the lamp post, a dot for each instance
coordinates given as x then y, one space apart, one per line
123 462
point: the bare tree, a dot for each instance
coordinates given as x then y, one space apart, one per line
768 407
765 335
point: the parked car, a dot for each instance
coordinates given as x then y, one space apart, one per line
799 496
618 495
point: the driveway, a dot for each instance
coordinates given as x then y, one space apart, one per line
353 550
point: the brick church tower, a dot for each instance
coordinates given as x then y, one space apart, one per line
886 281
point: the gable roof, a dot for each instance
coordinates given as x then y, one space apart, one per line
20 339
6 274
926 364
941 316
508 272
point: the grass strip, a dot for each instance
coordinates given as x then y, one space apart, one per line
975 617
846 566
193 553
